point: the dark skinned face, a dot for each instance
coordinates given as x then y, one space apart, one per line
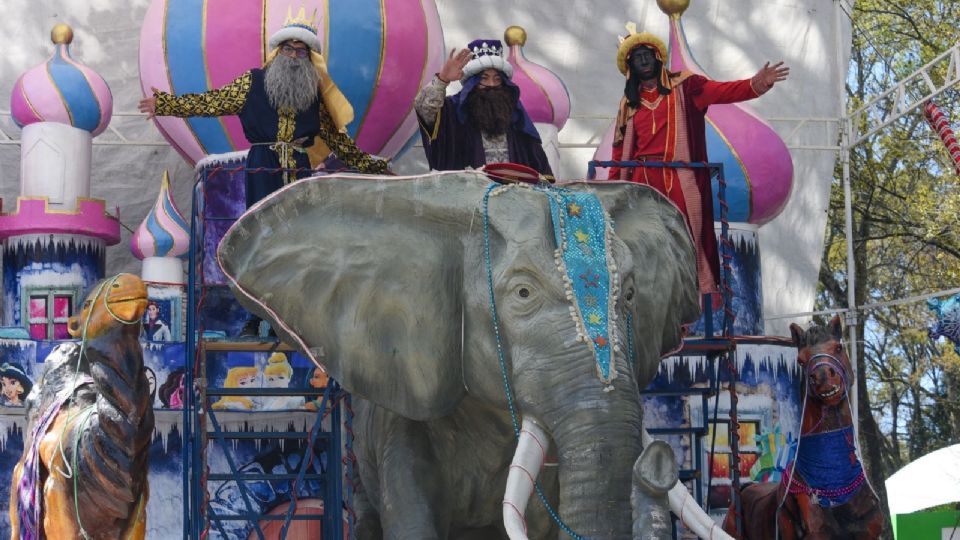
643 62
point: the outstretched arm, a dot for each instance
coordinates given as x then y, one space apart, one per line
222 101
713 92
343 146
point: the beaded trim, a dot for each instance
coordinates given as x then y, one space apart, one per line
590 276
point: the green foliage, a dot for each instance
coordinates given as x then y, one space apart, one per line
906 235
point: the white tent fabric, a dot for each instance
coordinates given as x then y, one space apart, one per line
576 39
932 480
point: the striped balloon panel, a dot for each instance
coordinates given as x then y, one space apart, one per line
542 93
64 91
378 52
737 191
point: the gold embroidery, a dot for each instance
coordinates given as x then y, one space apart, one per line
228 99
288 122
343 146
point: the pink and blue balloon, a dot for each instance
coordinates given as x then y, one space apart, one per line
379 52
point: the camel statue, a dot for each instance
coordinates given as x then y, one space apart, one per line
83 473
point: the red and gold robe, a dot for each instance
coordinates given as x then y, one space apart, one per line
672 128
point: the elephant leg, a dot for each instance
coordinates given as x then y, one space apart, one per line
367 526
411 504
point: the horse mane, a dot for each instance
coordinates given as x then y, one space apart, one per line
816 335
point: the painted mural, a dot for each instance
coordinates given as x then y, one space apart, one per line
682 408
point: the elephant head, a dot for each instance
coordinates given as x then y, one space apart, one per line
388 285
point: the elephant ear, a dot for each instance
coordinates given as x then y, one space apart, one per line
365 276
664 269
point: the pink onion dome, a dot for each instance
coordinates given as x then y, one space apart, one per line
164 232
542 93
378 52
756 162
62 90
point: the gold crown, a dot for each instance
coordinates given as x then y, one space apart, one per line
634 39
301 19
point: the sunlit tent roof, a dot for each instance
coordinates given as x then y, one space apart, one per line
930 481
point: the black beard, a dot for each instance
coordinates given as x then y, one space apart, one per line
491 109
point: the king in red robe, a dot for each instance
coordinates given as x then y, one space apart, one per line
662 118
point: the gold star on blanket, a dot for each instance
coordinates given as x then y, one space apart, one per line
573 209
581 236
593 318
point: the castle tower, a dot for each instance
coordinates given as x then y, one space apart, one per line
542 93
162 242
54 240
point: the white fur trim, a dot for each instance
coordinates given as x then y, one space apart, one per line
297 33
477 65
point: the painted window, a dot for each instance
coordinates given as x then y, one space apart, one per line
48 313
38 317
720 460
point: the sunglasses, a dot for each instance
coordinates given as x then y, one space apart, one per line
299 52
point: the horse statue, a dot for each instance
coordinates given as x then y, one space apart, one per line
83 472
823 493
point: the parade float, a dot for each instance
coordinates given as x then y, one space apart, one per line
238 449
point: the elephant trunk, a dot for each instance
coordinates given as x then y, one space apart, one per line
654 474
597 447
524 470
686 508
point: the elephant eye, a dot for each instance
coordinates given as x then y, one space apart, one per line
524 292
628 296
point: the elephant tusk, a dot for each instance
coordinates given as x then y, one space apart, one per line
524 470
691 515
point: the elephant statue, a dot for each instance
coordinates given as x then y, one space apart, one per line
454 310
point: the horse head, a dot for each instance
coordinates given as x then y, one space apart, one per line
827 368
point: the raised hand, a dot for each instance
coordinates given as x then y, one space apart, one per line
452 69
769 75
149 104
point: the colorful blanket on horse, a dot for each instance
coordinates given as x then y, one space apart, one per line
28 490
827 468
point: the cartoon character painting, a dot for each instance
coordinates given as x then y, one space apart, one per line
15 384
277 374
238 377
317 380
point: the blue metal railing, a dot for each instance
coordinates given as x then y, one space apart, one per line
202 425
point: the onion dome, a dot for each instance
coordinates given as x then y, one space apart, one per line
378 52
756 163
164 232
673 8
62 90
542 93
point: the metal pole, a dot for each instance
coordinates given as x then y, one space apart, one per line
846 128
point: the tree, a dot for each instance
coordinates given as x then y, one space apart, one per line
906 241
